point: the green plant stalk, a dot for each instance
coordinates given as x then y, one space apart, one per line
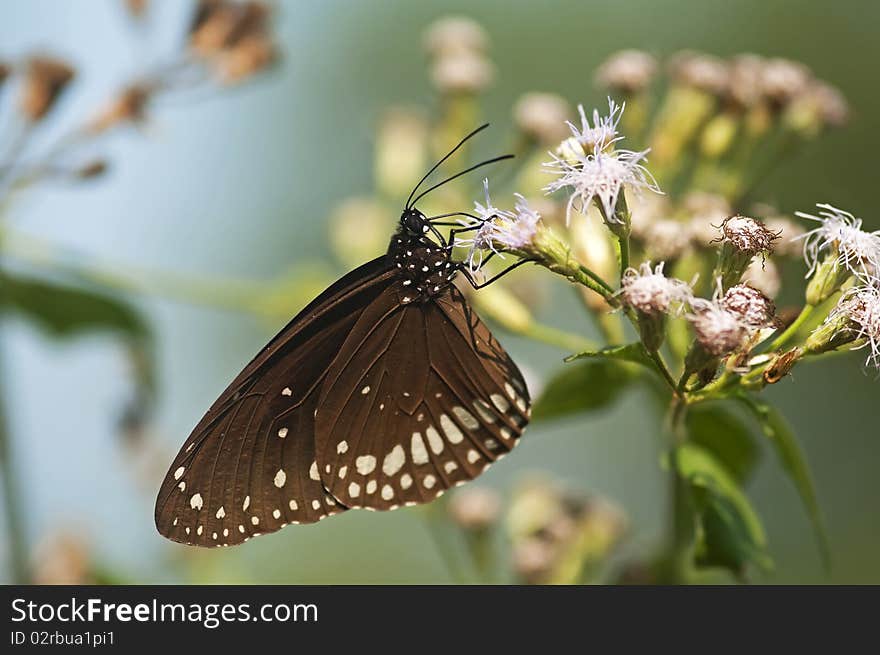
792 329
555 337
434 516
18 562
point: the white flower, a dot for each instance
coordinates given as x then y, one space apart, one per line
499 229
861 305
602 133
601 176
858 251
649 291
488 211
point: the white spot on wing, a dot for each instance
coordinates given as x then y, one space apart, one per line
196 501
450 429
500 402
417 447
394 460
342 447
434 440
246 503
406 481
365 464
467 419
220 512
179 473
371 486
313 471
365 390
293 505
282 432
472 456
354 490
387 492
449 467
484 411
280 478
429 481
287 392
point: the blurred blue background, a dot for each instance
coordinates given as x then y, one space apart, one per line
238 187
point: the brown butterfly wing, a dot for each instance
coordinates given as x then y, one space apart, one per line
421 397
249 466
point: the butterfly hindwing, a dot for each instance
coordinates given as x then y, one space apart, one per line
249 466
421 398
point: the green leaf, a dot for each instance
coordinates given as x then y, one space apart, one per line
66 311
631 352
583 387
779 432
730 533
720 431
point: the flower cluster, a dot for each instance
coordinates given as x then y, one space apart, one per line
592 169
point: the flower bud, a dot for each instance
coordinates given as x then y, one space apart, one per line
401 149
652 295
45 80
754 308
828 277
475 509
666 240
700 71
627 71
856 319
218 26
462 73
764 276
782 80
251 55
745 80
741 239
359 230
128 107
542 116
454 34
718 332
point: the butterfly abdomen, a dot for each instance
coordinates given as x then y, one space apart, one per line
426 267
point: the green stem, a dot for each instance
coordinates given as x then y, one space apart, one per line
434 514
792 329
657 358
623 254
18 562
560 338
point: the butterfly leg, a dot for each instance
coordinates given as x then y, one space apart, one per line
479 285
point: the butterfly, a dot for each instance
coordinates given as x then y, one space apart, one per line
385 391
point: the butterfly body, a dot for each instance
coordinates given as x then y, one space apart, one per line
384 391
425 266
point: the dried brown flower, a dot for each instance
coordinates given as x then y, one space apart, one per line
127 107
44 81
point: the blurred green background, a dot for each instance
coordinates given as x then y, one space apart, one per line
239 186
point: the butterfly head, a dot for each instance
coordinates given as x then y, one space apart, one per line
413 222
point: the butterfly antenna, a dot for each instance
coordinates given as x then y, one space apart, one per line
447 156
464 172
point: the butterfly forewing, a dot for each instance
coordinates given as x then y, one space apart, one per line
249 467
420 398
